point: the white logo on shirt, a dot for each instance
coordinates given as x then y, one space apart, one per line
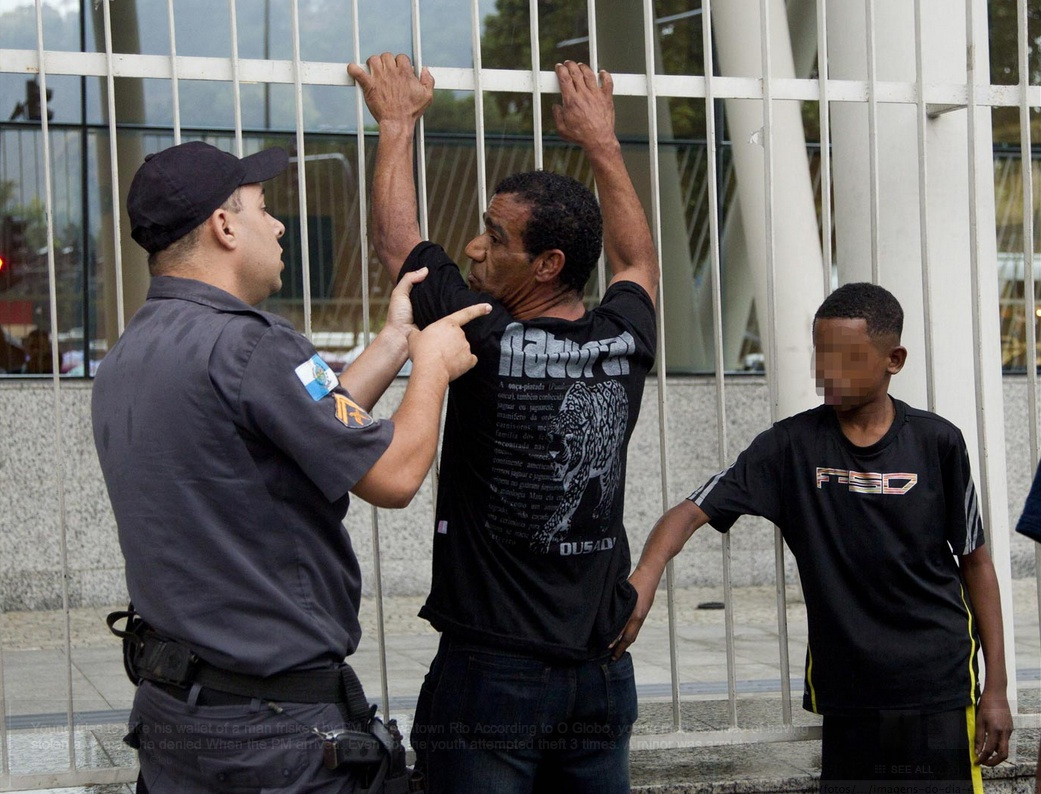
897 483
535 353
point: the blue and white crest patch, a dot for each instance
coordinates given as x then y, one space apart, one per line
317 376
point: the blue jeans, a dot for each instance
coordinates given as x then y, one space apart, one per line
492 721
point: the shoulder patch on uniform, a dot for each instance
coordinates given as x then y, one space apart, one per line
350 413
317 376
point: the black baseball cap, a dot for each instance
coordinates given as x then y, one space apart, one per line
178 188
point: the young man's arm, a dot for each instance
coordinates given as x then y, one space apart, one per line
670 534
993 717
586 117
396 98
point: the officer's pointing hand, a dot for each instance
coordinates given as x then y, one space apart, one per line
444 342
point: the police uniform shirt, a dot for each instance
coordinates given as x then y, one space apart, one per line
872 530
228 448
530 552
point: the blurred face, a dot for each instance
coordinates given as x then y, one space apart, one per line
499 265
851 368
261 252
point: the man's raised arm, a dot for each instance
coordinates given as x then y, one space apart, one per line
586 117
396 98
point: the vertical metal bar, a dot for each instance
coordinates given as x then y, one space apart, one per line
824 111
236 84
301 176
5 760
649 30
86 242
113 154
482 168
982 438
1029 303
923 204
424 218
594 45
536 82
782 610
594 64
59 465
174 84
712 187
872 140
363 236
421 150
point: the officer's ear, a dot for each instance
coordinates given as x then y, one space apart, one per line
221 224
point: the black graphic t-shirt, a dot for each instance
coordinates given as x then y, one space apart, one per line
874 531
530 553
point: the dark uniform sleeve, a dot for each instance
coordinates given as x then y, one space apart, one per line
964 526
1030 522
751 486
331 438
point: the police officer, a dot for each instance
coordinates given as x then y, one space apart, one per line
230 450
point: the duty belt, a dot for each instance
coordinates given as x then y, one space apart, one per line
150 656
373 750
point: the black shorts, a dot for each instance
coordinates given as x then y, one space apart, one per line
900 752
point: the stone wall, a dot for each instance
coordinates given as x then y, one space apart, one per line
53 504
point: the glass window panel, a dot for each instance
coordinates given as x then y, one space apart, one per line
207 103
506 37
452 196
329 108
678 37
1010 208
507 155
333 240
203 27
620 36
446 30
61 26
563 32
507 113
386 26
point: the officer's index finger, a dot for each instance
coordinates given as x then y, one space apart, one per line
464 315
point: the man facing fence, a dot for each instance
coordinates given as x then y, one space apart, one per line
530 555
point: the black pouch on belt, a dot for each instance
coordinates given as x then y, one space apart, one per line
147 655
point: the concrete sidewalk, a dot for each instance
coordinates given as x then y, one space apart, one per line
37 679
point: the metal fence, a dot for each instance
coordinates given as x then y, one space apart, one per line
707 190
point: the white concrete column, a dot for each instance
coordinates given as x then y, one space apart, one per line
796 245
979 413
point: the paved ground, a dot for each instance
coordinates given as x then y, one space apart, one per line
37 678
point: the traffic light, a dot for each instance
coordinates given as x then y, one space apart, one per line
32 101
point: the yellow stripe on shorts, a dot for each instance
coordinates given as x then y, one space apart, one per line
977 771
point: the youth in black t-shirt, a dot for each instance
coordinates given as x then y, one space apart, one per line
876 502
871 529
